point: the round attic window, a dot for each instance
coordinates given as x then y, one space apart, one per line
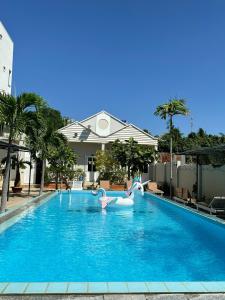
103 124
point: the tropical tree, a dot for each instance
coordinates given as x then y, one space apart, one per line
166 111
132 156
42 135
61 160
178 141
105 164
15 115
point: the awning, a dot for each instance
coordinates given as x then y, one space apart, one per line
14 147
205 150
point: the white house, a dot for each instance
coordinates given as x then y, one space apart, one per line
95 132
6 60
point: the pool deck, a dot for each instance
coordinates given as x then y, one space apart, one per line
119 297
103 290
90 288
20 199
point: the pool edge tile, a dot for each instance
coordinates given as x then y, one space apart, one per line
137 287
214 286
57 288
195 287
176 287
157 287
3 286
79 288
117 287
97 287
36 288
15 288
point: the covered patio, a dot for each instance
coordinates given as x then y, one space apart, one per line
27 193
214 155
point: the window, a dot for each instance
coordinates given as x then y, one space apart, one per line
145 168
91 164
9 78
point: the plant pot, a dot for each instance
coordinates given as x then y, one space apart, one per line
17 189
50 186
118 187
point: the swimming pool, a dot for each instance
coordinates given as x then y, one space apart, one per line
69 238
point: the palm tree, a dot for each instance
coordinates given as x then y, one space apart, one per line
15 114
168 110
43 135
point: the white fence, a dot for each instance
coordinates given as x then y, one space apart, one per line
211 181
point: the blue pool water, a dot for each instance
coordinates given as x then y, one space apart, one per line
69 238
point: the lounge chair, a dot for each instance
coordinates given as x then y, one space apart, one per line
77 185
153 188
105 184
182 195
216 206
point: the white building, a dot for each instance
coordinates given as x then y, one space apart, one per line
6 60
96 132
6 67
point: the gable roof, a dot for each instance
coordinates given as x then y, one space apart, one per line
132 131
83 133
86 134
105 112
144 132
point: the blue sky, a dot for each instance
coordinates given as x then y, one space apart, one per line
125 57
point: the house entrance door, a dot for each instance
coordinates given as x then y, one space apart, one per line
91 168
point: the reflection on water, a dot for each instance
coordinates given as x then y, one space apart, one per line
70 200
70 238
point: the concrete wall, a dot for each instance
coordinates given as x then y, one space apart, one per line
211 180
6 60
186 176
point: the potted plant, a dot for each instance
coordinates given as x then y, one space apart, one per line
18 164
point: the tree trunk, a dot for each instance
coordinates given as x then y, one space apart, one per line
56 181
17 179
42 177
6 179
128 171
171 156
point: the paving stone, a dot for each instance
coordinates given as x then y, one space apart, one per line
167 297
124 297
117 297
51 297
208 297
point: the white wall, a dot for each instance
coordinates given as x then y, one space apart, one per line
84 150
26 172
211 180
6 60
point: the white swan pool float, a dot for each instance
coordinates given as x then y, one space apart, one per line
120 201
